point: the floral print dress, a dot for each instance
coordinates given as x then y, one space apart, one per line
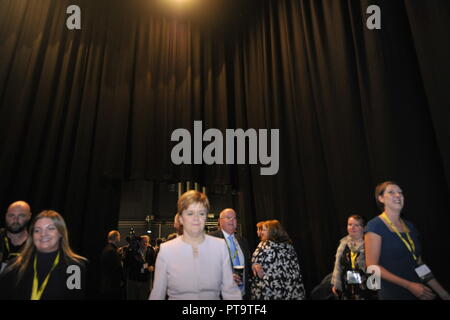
282 278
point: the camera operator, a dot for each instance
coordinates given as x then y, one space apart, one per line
139 264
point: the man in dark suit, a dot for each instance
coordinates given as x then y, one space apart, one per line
112 275
237 247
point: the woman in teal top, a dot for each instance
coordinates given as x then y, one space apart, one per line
393 244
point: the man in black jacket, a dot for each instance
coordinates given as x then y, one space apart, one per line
112 275
237 247
14 236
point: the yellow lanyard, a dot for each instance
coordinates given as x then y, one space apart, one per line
37 292
410 243
353 256
7 243
9 250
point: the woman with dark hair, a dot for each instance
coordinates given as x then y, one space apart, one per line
194 266
276 270
47 268
393 245
349 279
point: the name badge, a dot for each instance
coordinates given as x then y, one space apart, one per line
353 277
424 272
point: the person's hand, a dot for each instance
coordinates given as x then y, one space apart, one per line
258 270
421 291
237 279
336 294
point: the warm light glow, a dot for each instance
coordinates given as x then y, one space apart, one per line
180 4
196 10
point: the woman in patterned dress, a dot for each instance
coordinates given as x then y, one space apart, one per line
276 271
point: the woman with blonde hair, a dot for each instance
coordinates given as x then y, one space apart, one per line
275 266
47 268
194 266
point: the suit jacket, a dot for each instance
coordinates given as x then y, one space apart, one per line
247 257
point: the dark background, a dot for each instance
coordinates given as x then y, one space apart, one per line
84 111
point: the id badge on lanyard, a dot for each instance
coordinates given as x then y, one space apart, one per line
424 273
353 277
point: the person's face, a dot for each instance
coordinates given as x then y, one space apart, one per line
264 233
392 198
45 235
228 222
17 218
193 218
144 242
354 228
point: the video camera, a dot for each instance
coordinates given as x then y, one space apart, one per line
133 240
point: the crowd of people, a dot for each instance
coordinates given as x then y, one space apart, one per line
37 261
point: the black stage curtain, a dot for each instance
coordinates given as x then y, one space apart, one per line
83 110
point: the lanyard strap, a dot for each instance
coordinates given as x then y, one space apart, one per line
36 291
7 244
410 243
353 256
9 249
231 238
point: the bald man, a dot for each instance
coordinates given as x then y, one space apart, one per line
112 275
14 236
237 247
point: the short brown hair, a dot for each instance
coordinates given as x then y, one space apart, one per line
359 218
276 232
190 197
379 190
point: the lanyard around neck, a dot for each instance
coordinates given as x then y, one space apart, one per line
36 291
9 249
353 256
231 238
409 243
